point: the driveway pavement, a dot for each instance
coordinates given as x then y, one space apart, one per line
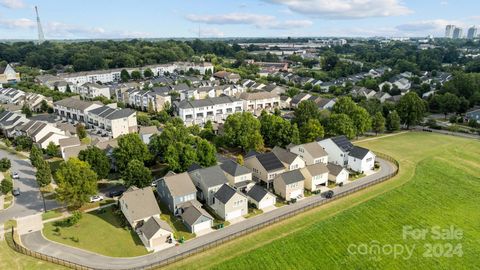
35 241
29 201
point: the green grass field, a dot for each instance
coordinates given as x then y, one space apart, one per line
98 232
438 185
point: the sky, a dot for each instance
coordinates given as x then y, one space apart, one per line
98 19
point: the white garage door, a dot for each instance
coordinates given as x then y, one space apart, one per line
201 226
234 214
295 194
265 203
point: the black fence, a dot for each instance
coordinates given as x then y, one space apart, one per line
21 249
232 236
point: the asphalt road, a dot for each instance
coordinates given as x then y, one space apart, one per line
35 241
29 201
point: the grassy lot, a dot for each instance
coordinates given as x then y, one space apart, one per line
10 259
176 224
253 212
98 231
438 185
51 214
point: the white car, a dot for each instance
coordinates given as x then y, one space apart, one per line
96 198
15 175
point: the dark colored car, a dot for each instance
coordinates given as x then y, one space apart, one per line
329 194
16 192
115 193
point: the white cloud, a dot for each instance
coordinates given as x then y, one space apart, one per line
13 4
346 9
17 23
257 20
63 30
435 27
443 3
211 32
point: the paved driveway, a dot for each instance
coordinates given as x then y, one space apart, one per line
35 241
30 200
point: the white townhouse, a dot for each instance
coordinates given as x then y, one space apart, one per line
312 153
337 149
19 97
361 159
11 95
201 67
93 90
141 99
74 110
41 133
112 122
9 121
216 109
259 101
342 152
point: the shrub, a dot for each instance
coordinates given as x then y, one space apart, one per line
293 200
5 164
6 186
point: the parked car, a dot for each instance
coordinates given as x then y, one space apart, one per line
96 198
329 194
115 193
16 192
15 175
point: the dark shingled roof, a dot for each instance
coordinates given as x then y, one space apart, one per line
225 193
358 152
192 211
257 193
343 143
334 169
270 161
233 168
152 225
291 177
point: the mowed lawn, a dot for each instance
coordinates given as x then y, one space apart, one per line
438 185
9 259
100 232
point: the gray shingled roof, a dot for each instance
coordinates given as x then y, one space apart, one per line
358 152
315 150
209 177
179 184
257 193
316 169
284 155
141 203
291 177
152 225
334 169
225 193
233 168
75 103
192 211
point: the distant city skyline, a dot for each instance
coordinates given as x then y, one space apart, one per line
88 19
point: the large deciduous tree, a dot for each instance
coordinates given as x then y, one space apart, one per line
76 182
136 174
340 124
393 121
305 111
36 156
277 131
311 131
130 147
43 174
411 109
98 160
378 123
243 130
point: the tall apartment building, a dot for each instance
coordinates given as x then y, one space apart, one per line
449 31
472 32
457 32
